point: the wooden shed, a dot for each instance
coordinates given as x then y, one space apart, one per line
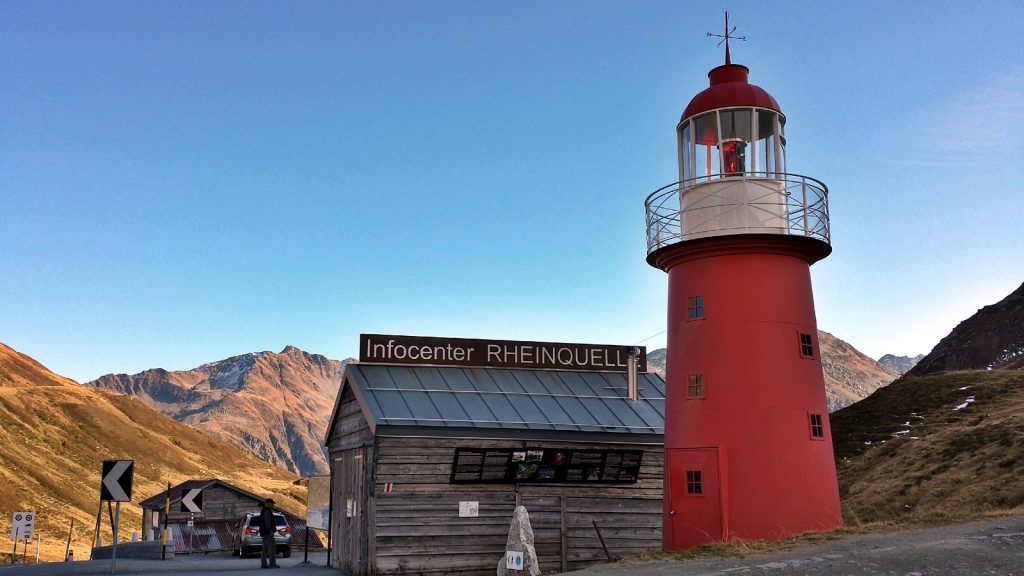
429 462
222 505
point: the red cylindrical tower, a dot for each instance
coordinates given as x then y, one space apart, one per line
748 449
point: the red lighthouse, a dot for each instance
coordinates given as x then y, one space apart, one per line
747 438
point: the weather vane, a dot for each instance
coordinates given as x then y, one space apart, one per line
725 37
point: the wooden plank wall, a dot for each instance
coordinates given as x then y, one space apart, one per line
418 529
351 452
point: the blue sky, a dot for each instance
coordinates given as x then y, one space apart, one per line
185 181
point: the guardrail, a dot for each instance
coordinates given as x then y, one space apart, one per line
805 207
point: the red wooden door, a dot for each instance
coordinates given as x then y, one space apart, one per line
696 511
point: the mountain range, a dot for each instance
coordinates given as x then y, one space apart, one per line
850 375
56 433
274 406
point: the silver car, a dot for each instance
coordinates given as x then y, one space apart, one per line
246 537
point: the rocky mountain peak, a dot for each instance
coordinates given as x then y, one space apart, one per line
991 339
274 406
900 364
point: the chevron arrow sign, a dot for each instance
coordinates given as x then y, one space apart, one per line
116 484
192 500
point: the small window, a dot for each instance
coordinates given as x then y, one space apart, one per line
817 427
806 345
694 307
694 483
695 386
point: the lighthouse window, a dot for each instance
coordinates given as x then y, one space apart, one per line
806 345
765 146
705 139
817 427
694 482
684 154
695 386
735 136
694 307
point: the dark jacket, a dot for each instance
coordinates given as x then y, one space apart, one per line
268 525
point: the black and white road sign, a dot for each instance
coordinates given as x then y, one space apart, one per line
192 500
116 484
22 524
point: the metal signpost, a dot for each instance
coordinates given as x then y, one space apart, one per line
22 525
167 512
116 486
192 501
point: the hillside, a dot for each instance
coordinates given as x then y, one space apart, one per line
849 374
992 338
55 433
274 406
933 446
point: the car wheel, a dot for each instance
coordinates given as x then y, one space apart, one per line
287 552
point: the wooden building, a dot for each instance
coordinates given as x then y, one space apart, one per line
429 462
222 505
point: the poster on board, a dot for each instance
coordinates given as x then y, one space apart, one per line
318 502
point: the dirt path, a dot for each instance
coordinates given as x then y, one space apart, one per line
990 547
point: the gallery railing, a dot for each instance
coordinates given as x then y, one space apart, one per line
800 201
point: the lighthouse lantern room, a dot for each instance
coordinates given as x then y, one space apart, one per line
747 437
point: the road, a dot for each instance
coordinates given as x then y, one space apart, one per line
206 565
987 548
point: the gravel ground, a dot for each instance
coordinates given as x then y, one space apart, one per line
990 547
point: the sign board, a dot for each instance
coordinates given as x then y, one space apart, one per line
469 509
434 351
192 500
545 465
318 502
513 560
22 525
116 480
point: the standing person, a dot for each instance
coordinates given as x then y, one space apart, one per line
268 528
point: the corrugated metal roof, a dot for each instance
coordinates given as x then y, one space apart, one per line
457 397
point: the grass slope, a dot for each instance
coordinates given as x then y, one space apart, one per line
948 445
55 434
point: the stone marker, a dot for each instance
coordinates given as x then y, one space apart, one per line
520 539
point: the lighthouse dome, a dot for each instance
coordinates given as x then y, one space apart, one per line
729 88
